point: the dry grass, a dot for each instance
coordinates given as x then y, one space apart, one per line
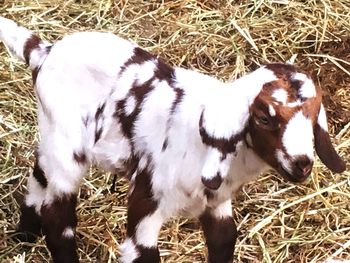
278 221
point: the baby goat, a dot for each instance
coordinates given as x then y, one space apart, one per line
185 140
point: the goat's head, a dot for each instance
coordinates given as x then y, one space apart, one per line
286 119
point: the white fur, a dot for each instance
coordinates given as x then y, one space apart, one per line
286 164
272 111
223 210
36 194
130 105
128 251
298 136
307 89
322 119
147 230
280 95
68 232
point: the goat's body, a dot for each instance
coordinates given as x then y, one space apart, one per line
185 140
112 104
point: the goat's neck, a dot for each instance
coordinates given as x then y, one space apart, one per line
247 164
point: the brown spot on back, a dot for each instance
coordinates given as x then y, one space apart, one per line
128 120
140 56
164 72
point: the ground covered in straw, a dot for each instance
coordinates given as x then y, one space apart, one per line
277 221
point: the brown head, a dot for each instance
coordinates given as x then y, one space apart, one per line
287 119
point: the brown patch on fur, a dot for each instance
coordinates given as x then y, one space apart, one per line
220 235
80 157
129 167
147 255
98 134
29 226
99 111
225 146
32 43
208 194
140 56
178 98
164 72
179 93
213 183
39 174
62 249
35 73
36 70
141 201
281 70
165 145
128 120
99 118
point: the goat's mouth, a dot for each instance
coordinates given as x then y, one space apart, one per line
292 177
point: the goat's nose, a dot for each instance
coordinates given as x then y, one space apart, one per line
303 166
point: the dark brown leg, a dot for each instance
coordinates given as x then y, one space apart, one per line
59 221
220 233
29 226
144 223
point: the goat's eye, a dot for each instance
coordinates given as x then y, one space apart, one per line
264 120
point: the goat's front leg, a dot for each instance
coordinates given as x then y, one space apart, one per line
59 221
144 222
220 233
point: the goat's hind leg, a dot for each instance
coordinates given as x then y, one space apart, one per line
65 169
29 226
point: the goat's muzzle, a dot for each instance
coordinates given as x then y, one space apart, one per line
301 170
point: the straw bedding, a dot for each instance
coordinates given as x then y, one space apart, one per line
278 221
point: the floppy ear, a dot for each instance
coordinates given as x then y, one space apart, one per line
323 144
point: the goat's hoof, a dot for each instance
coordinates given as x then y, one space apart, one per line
25 236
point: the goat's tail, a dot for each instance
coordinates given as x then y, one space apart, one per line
23 43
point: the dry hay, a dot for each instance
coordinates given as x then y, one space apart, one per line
278 221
